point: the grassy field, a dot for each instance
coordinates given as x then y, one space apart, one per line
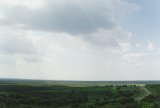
70 94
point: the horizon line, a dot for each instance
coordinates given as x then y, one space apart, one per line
32 79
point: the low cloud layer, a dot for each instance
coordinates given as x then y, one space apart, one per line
69 16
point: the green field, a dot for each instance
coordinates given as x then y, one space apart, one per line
69 94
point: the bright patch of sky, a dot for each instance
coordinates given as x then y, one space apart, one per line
144 24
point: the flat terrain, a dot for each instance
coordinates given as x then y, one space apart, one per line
78 94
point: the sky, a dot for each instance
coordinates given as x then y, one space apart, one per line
80 39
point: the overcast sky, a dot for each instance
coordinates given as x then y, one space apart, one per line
80 39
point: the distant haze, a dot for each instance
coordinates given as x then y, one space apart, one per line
80 39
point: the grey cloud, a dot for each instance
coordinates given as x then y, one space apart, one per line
70 16
110 38
11 44
15 46
5 59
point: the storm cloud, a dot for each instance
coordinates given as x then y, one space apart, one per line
69 16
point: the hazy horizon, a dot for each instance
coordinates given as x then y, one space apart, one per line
89 40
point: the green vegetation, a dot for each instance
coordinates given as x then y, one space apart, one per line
153 99
42 95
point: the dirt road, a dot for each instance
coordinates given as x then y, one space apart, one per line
147 92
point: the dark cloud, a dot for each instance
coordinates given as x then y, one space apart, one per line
70 16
